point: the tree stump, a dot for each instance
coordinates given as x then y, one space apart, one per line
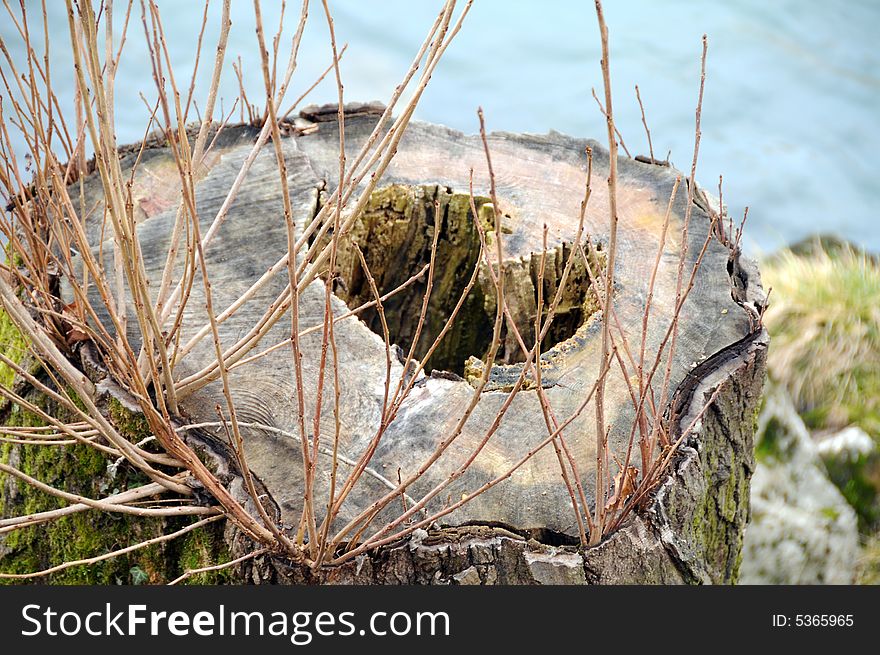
523 530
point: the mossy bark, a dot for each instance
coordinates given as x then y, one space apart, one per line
86 471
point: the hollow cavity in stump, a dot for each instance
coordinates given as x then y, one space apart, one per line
395 233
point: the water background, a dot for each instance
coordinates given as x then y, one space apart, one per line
790 115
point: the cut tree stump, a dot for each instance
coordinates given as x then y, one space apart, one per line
523 530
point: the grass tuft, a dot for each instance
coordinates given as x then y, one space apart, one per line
825 326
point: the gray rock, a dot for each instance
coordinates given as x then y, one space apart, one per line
802 529
847 445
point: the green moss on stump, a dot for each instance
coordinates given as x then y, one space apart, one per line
13 345
132 425
715 521
83 470
726 461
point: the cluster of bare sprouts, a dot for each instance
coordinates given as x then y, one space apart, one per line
49 229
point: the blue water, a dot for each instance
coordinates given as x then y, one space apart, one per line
790 115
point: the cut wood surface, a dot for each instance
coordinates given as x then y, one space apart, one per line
540 182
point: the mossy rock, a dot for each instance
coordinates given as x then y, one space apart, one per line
802 530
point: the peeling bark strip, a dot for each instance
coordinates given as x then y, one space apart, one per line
691 530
